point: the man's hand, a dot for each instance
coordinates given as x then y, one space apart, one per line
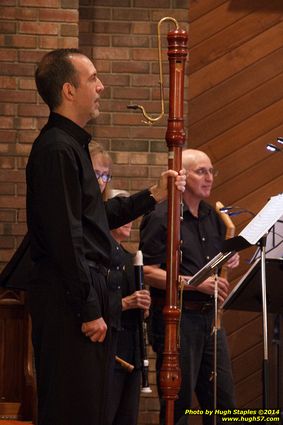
138 299
95 330
207 287
233 261
159 191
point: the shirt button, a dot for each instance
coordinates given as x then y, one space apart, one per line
203 239
207 257
117 248
118 268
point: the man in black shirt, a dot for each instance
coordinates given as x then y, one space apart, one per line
201 233
71 246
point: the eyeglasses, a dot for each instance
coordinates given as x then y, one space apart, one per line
105 177
205 172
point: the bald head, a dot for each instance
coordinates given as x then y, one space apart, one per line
191 158
199 177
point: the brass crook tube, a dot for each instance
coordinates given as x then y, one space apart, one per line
149 119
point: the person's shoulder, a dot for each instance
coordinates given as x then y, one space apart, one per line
214 216
56 138
54 141
206 206
207 209
159 213
154 222
160 209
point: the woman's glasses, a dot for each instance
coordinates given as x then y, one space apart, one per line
105 177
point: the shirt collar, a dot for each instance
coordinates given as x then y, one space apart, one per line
204 210
70 127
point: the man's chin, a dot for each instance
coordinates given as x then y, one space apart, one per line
93 115
206 193
96 113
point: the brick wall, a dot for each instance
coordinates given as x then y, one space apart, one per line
121 38
28 28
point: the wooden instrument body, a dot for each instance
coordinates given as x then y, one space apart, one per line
170 375
230 233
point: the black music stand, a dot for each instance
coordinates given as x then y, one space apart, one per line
246 295
256 233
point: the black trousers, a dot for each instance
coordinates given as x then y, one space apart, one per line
196 362
71 370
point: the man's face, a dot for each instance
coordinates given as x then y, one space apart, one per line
87 94
200 178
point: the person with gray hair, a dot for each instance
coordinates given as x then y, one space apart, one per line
124 295
125 305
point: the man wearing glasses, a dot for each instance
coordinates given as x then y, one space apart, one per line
201 233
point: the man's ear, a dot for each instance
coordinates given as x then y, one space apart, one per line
68 91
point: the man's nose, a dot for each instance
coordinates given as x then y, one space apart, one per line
100 86
209 176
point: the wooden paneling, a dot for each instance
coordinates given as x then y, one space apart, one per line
235 109
17 383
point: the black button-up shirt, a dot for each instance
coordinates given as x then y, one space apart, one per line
67 220
201 238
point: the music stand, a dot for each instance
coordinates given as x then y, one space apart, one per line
246 295
256 233
210 268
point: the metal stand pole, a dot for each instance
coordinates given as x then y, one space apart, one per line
264 325
215 335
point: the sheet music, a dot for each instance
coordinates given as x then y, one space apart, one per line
210 268
264 220
274 242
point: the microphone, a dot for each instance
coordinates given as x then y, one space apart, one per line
229 210
138 270
233 210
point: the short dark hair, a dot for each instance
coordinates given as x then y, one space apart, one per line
53 71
